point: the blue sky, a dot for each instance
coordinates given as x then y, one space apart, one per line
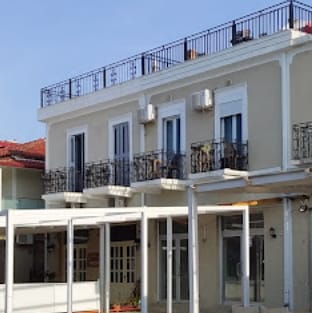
46 41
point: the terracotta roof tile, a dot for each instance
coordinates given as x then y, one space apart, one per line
28 155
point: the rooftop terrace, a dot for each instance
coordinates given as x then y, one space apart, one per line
289 14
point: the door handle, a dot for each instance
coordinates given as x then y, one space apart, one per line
238 269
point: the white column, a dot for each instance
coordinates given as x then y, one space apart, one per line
288 260
107 268
245 259
70 248
9 263
193 251
144 263
169 264
285 97
101 266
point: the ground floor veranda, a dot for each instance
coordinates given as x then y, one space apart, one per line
226 255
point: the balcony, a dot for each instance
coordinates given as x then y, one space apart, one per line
156 170
211 159
63 184
302 143
286 15
108 178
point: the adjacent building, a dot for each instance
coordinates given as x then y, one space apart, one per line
21 187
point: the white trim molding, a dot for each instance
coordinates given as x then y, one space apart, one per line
165 110
124 118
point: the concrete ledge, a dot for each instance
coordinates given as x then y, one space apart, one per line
241 309
263 309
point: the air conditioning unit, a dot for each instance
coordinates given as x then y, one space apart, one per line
24 239
147 114
202 100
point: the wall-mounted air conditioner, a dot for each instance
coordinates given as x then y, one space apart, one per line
147 114
25 239
202 100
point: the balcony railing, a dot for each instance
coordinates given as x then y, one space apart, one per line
302 142
104 173
210 155
158 164
65 179
286 15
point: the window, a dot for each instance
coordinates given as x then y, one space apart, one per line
172 134
231 114
120 148
76 159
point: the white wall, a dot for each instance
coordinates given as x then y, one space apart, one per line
51 298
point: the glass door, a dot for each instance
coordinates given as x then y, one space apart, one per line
121 154
180 278
232 238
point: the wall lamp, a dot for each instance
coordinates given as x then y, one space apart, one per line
272 232
303 207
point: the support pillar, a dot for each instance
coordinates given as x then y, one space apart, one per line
101 265
245 259
288 259
169 264
144 263
70 248
193 251
107 268
9 263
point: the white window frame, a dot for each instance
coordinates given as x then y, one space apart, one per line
167 111
231 101
125 118
72 132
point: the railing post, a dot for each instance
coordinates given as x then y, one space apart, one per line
143 64
104 77
41 98
185 49
234 33
291 14
69 88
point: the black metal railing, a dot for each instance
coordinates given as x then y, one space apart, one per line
65 179
104 173
286 15
210 155
302 142
158 164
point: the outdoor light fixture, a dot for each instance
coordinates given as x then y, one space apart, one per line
272 232
303 207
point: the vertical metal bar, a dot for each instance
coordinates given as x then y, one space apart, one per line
70 248
193 251
144 263
245 259
233 33
9 263
107 268
291 14
185 49
169 264
69 88
143 64
41 98
104 77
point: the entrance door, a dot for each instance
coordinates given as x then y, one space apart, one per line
232 263
76 162
180 285
123 270
121 154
